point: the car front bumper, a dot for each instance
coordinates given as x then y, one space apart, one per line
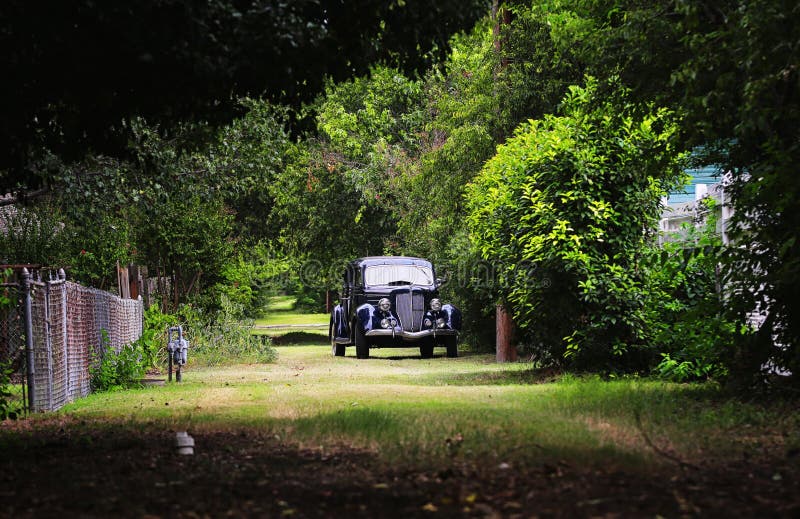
410 336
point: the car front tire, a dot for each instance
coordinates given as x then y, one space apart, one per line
426 350
362 346
337 350
451 343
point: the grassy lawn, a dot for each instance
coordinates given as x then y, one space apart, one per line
279 318
396 436
406 410
281 312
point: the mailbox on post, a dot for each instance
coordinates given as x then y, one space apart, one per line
177 348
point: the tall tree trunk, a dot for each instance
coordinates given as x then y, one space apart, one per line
506 349
501 16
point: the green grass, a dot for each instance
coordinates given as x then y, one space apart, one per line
281 303
408 410
278 318
281 311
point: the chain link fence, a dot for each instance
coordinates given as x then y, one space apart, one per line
12 340
71 326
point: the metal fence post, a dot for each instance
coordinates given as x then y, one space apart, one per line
31 369
62 276
48 342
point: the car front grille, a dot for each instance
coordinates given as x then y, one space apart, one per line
410 308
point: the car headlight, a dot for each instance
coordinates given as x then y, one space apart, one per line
384 304
436 305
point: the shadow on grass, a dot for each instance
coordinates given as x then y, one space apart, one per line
407 357
300 339
495 378
378 355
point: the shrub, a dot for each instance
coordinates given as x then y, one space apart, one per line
119 370
561 210
686 320
9 406
224 338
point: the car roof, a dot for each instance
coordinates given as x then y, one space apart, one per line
391 260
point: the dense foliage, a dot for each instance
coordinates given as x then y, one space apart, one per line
223 337
685 314
566 173
115 370
73 70
350 174
563 211
732 70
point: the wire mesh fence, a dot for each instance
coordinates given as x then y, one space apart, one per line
12 340
71 326
12 346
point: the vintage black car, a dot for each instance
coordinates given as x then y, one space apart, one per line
393 301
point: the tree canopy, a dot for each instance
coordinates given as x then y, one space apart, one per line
75 70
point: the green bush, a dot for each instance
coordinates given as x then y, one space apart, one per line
9 406
119 370
561 210
224 338
686 320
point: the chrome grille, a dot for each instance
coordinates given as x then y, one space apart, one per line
410 308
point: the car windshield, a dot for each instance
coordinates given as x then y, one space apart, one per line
398 275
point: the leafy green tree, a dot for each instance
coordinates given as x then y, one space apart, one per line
322 217
191 240
477 97
731 69
562 211
460 97
496 76
95 245
246 157
337 197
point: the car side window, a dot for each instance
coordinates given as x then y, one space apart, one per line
347 282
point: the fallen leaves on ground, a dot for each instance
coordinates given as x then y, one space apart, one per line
70 469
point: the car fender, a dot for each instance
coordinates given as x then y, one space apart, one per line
367 318
453 316
450 314
341 329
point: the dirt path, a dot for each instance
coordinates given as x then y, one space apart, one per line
62 470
